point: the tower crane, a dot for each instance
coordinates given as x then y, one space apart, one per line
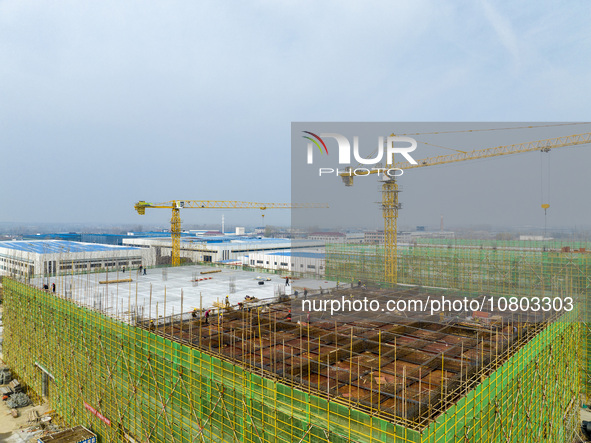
177 205
390 190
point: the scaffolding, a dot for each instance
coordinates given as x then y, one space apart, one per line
495 267
471 267
257 375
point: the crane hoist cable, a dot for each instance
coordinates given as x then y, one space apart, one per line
545 190
496 129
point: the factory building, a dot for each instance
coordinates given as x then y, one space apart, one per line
90 237
332 237
23 259
217 248
301 262
377 237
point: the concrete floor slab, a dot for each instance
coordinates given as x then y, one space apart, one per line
120 298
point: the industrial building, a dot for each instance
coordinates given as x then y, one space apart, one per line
262 372
378 236
217 249
90 237
25 259
301 262
333 237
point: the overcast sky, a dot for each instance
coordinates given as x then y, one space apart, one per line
500 192
106 103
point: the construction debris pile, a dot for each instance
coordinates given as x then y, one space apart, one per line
18 400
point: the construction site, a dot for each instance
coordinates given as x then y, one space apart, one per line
219 352
256 372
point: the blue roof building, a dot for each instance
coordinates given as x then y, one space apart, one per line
52 257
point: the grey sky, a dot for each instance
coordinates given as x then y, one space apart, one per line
105 103
505 191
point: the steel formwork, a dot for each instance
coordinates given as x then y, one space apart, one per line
498 268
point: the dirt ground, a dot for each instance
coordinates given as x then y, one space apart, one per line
11 429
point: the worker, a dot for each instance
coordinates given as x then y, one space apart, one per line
288 316
53 287
124 269
227 301
207 317
144 271
152 327
305 293
286 281
194 313
141 269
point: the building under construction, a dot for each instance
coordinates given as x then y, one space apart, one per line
265 372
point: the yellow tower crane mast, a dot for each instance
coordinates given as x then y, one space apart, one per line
390 190
177 205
